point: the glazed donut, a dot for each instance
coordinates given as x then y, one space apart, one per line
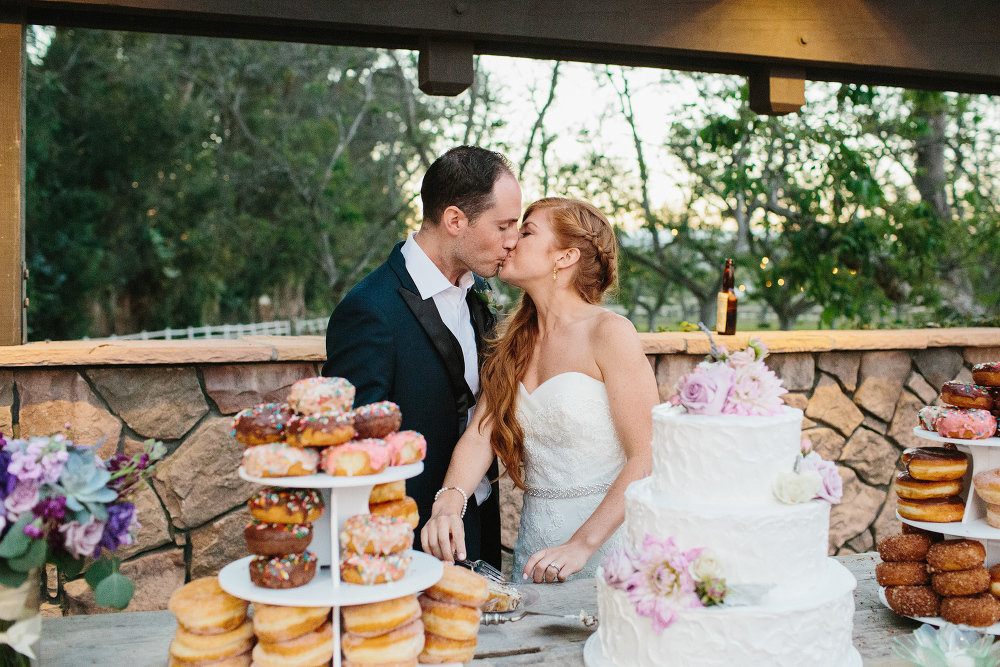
313 648
404 663
913 530
961 582
952 555
404 509
406 447
447 619
321 394
203 608
461 586
906 487
934 464
370 569
272 505
378 618
966 395
932 510
374 533
400 645
919 601
241 660
289 571
967 425
383 493
995 579
189 647
276 539
322 430
279 460
979 611
993 515
377 420
357 457
913 573
987 375
274 623
261 424
987 483
438 650
902 548
929 416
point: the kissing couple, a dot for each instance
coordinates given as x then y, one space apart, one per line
560 392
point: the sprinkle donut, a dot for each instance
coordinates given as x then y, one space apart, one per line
261 424
987 375
272 505
406 447
289 571
375 534
277 539
279 460
321 430
377 420
929 416
321 394
967 425
370 569
357 457
966 395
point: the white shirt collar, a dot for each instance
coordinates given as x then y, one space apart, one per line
425 273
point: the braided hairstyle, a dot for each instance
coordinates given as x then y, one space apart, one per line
575 224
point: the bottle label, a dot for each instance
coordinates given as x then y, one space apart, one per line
722 307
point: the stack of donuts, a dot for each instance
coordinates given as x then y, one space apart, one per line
378 443
292 636
451 612
373 549
390 499
212 627
278 534
929 487
987 483
971 409
383 633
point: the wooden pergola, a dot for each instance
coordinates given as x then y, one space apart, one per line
777 44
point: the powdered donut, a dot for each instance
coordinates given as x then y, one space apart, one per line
987 483
987 375
383 493
961 582
933 510
321 394
967 425
313 648
203 608
461 586
898 548
274 623
906 486
979 611
378 618
912 573
321 430
375 534
357 457
935 464
277 539
952 555
189 647
371 569
272 505
447 619
261 424
406 447
401 645
279 460
404 509
439 650
377 420
913 600
966 395
289 571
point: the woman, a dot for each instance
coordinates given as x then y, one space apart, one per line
566 402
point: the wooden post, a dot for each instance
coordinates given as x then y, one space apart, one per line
776 91
445 67
13 271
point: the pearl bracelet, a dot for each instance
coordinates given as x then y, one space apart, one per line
465 498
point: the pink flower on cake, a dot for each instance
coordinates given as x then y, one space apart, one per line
832 488
705 390
663 584
619 568
742 358
756 392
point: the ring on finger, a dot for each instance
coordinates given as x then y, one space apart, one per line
555 565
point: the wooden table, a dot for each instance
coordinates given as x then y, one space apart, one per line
140 639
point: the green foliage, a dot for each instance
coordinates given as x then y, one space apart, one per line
114 591
15 542
33 557
100 570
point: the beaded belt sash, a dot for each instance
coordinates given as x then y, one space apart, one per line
572 492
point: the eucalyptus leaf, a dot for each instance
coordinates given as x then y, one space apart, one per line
99 571
69 566
11 578
16 542
115 591
33 557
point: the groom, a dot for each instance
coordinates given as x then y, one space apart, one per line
412 331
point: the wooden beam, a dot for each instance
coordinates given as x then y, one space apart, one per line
445 67
12 268
777 91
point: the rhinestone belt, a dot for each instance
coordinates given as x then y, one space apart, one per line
572 492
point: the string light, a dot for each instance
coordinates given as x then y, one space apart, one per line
767 284
743 288
835 269
781 281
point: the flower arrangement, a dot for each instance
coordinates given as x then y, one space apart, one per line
812 479
948 646
62 504
661 579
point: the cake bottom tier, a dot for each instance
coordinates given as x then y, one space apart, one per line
813 628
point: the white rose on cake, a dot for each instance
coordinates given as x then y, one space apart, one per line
707 567
793 488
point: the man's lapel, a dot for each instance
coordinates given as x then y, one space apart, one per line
483 320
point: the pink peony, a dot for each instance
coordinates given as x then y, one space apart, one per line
82 539
618 568
663 583
756 392
704 391
742 358
832 489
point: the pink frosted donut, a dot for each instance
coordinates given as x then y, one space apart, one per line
406 447
315 395
967 425
357 457
279 460
929 416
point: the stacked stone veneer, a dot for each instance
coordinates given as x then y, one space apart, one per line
860 392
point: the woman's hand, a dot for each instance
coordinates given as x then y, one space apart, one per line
557 563
443 536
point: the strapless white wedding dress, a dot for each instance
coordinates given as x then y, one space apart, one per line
571 456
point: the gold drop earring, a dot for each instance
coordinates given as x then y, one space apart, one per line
555 270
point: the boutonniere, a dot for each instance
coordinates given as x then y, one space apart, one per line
490 301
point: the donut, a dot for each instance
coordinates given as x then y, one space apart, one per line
932 510
987 484
370 569
913 530
190 647
447 619
966 395
929 416
321 394
979 611
322 430
995 579
274 623
913 600
438 650
377 420
987 374
906 487
289 571
961 582
934 464
279 460
375 534
967 425
313 648
241 660
993 515
383 493
203 608
902 548
404 663
461 586
378 618
912 573
271 505
261 424
400 645
952 555
276 539
357 457
404 509
406 447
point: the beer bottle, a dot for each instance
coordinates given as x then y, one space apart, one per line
725 319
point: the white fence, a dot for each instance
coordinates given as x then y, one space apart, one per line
276 328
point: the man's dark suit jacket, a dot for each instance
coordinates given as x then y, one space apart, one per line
393 346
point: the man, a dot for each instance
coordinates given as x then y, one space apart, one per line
412 331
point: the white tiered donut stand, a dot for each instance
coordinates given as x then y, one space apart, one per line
344 497
985 455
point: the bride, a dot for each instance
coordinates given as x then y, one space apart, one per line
566 402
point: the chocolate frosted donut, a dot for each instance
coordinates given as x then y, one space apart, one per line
952 555
321 430
272 505
987 375
906 487
377 420
289 571
966 395
261 424
979 611
961 582
935 464
913 573
913 600
933 510
899 548
277 539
